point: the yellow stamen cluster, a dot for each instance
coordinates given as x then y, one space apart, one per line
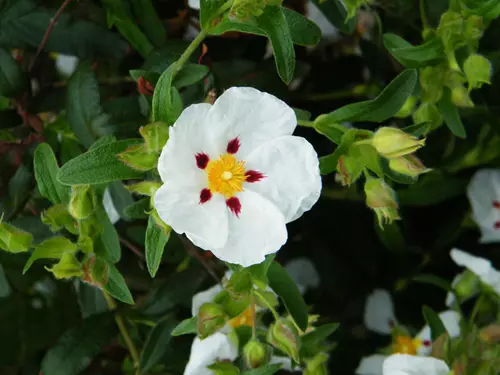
244 319
226 175
406 345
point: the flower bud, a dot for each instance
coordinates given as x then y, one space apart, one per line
139 157
95 271
82 203
148 188
393 143
224 368
428 112
474 28
408 165
450 30
240 284
431 80
211 318
57 217
14 240
477 69
460 97
317 365
255 354
349 169
382 199
467 285
155 136
407 108
67 267
284 336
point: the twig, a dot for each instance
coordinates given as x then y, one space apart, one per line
132 247
194 253
45 39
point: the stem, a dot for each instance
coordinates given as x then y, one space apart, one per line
45 38
134 353
263 299
190 49
425 24
308 124
132 247
254 323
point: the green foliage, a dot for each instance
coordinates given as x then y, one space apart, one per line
46 170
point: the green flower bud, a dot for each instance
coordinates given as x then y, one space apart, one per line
255 354
57 217
450 30
139 157
478 70
240 284
467 285
284 336
474 28
460 97
95 271
155 136
266 298
86 244
224 368
431 81
407 108
148 188
393 143
428 112
211 318
67 267
14 240
82 203
349 169
408 165
317 365
382 199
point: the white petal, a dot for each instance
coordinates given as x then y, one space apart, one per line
66 65
194 4
206 352
286 363
204 297
480 266
292 180
450 297
371 365
404 364
109 207
259 230
206 224
451 321
483 189
328 31
379 312
189 135
254 117
303 273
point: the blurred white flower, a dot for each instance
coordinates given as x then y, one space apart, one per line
404 364
234 175
194 4
303 273
379 312
206 352
484 196
65 64
328 31
109 207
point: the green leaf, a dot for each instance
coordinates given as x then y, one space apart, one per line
336 13
156 239
90 299
433 280
190 74
167 103
107 241
395 176
156 344
304 32
283 286
390 235
418 130
46 170
138 209
77 347
83 106
12 80
434 321
53 248
264 370
334 132
13 239
328 164
259 271
449 111
19 186
99 165
150 22
429 53
383 107
117 287
319 334
5 289
121 197
187 326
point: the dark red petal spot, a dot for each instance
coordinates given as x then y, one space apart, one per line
426 343
202 160
392 323
205 195
234 205
233 146
497 225
253 176
496 204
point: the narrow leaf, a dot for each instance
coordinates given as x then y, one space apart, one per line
264 370
190 74
53 248
450 114
319 334
187 326
434 321
167 103
429 53
336 13
46 170
11 75
107 243
156 239
117 287
150 22
156 344
433 280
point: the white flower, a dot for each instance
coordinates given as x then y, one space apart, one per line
194 4
66 65
480 266
234 175
206 352
328 31
109 207
379 312
404 364
484 195
303 273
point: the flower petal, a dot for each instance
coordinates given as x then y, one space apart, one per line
189 136
451 321
109 207
303 273
204 297
206 352
483 189
328 31
480 266
204 224
257 231
379 312
194 4
371 365
252 116
291 169
404 364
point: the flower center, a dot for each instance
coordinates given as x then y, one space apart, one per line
244 319
226 175
406 345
